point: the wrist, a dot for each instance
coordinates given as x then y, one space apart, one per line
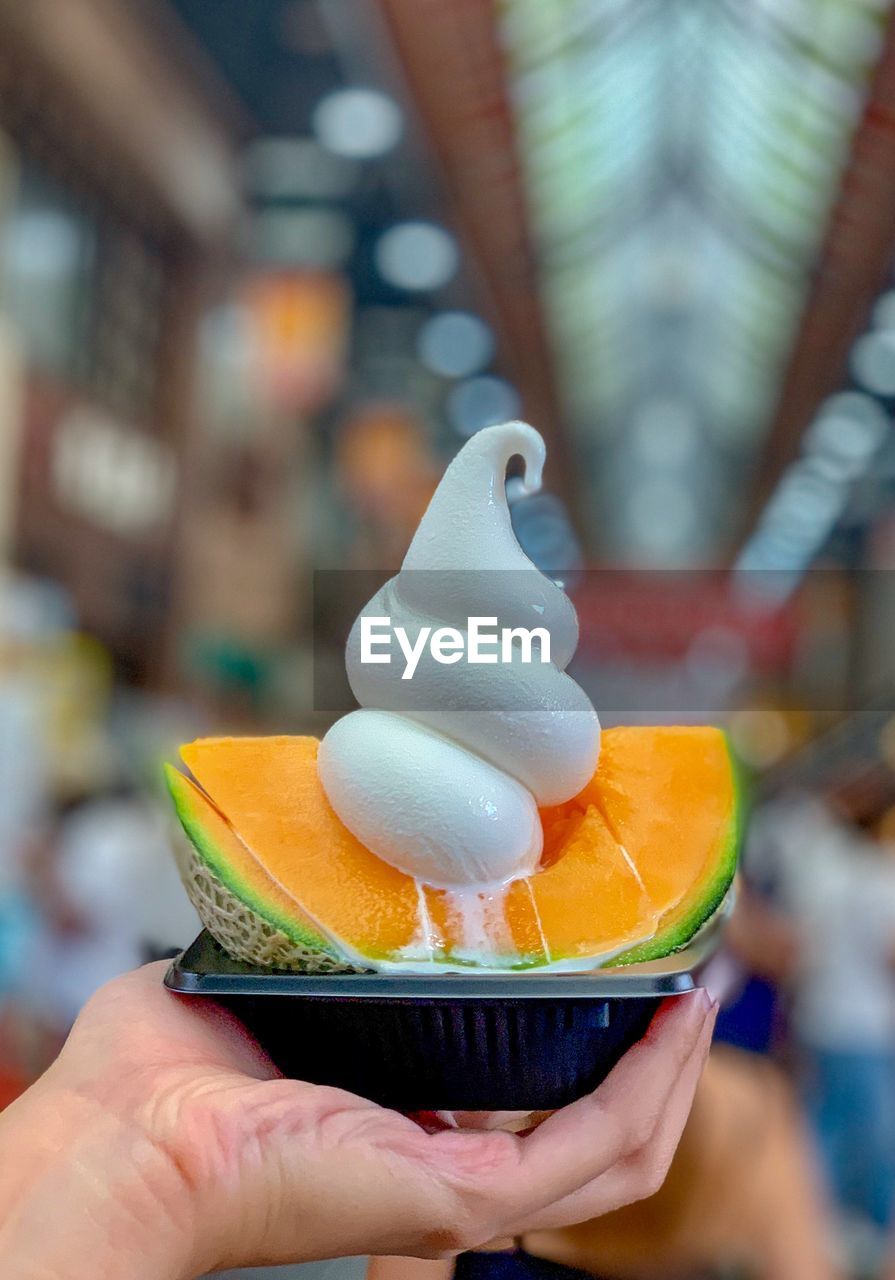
83 1193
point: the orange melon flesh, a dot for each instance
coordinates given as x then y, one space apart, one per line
236 866
590 902
669 797
632 865
269 792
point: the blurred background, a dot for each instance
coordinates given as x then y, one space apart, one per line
263 268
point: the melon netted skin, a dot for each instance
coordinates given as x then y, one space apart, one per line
265 930
239 929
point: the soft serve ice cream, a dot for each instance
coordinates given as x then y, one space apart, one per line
441 774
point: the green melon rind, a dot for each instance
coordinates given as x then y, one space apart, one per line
246 925
681 930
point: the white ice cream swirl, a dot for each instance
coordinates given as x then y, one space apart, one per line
441 775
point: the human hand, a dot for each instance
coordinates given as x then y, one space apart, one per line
163 1143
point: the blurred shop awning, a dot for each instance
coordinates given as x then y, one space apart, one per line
680 164
455 67
679 214
854 266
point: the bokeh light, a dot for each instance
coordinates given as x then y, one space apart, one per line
297 168
873 362
417 256
481 402
455 344
359 123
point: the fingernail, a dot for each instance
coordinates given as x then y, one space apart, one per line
693 1010
707 1003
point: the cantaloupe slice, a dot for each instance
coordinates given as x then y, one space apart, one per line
669 796
248 912
269 791
632 866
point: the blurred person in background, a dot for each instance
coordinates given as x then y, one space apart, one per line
760 953
741 1192
20 799
109 895
88 888
22 764
836 882
23 790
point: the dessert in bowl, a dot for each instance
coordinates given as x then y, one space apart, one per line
470 819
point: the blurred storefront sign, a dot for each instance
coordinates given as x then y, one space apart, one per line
95 513
241 592
299 325
662 615
241 578
676 646
690 646
110 474
387 471
95 469
127 200
273 353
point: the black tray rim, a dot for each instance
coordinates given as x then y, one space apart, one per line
673 975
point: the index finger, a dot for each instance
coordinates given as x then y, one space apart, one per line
584 1139
587 1138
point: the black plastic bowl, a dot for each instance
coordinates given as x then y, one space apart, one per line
469 1042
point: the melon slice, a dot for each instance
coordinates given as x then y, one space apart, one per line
269 792
670 798
237 901
633 865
